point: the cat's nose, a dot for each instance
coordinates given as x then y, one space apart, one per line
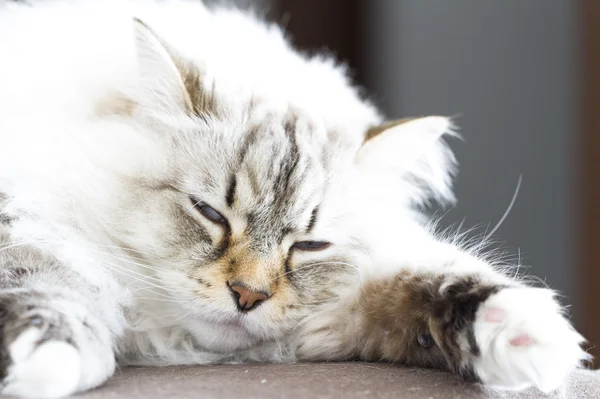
245 298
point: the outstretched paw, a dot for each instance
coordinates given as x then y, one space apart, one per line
525 340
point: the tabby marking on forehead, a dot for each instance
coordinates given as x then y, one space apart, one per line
230 196
276 192
313 220
289 163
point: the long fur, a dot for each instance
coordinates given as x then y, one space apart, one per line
124 127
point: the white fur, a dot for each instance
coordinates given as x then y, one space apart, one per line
61 165
51 370
544 363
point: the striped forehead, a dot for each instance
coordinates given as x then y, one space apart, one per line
277 181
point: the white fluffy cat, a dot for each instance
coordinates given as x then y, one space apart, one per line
179 186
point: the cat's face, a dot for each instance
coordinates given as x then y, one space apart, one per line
251 219
250 230
249 226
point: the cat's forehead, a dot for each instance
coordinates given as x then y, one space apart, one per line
281 172
269 137
282 148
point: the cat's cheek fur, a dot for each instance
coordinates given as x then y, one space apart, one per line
525 341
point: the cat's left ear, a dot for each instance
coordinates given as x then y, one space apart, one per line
166 82
414 150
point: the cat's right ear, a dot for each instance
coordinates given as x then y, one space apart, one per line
161 74
412 149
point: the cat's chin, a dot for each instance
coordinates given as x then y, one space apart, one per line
223 335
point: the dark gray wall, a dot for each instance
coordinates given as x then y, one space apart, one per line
507 68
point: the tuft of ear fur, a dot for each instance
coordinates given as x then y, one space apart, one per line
167 82
160 81
413 149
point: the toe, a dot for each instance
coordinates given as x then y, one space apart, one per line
494 315
522 340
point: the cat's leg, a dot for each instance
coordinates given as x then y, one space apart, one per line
458 314
53 338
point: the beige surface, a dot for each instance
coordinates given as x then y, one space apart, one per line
342 380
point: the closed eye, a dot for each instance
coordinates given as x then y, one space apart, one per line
209 212
311 245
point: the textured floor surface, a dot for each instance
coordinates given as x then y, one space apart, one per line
342 380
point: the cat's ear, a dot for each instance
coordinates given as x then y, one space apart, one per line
166 82
413 149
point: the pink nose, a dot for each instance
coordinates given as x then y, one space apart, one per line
245 298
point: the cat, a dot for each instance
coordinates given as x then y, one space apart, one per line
180 186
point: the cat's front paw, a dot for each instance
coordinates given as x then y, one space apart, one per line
524 340
40 362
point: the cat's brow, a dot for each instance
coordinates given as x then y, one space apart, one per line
230 196
313 220
290 162
251 138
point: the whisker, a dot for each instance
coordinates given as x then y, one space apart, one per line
21 243
161 300
510 205
154 269
185 315
316 264
126 272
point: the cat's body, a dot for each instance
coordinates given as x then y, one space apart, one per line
179 186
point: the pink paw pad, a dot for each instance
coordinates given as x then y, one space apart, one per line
522 340
495 315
